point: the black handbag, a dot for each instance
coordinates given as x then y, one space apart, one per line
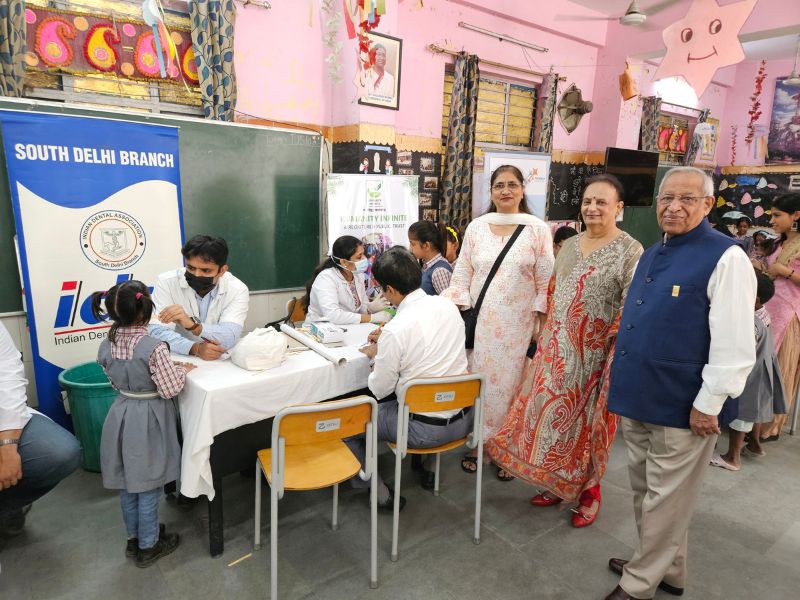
470 315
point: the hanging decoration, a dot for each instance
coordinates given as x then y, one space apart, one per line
755 100
366 55
330 26
362 17
627 84
734 133
703 41
83 43
351 12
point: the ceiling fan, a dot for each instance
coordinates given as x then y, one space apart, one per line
634 16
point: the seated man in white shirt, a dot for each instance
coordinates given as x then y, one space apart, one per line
425 339
200 309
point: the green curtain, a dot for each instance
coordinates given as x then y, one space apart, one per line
12 47
546 113
691 154
212 38
456 208
651 110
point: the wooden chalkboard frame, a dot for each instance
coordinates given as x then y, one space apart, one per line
273 248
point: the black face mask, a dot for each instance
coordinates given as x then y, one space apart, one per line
201 285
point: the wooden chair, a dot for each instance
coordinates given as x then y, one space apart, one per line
294 314
308 453
294 308
436 395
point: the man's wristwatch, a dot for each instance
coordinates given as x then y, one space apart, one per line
9 441
197 324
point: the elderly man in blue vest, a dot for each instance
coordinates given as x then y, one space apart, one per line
685 345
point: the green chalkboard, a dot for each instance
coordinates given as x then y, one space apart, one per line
256 187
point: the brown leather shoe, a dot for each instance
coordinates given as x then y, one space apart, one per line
616 564
620 594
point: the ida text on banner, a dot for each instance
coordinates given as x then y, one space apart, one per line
96 203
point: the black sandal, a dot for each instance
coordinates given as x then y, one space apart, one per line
469 464
505 477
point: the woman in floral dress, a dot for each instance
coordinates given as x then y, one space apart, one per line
515 300
558 429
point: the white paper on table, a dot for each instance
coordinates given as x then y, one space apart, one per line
313 345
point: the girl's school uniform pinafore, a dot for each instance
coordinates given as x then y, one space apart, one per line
139 448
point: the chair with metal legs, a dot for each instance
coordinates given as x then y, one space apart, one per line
308 453
436 395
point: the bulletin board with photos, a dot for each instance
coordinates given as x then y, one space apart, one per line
427 165
376 159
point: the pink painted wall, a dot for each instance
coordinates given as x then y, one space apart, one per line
282 74
421 96
738 105
280 65
615 121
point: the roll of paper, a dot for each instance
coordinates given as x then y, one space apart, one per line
312 344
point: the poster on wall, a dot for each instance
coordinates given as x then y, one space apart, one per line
376 209
380 83
783 144
535 169
707 135
96 203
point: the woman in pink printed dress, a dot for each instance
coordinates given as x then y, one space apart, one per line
784 307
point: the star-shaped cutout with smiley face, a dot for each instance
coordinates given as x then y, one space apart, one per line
703 41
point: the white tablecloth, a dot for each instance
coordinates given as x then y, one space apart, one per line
219 396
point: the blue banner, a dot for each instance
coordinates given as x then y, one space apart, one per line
96 202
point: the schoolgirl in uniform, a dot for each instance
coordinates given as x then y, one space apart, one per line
139 450
428 243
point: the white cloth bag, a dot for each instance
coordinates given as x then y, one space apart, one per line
259 350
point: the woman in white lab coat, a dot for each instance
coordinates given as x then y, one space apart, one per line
336 291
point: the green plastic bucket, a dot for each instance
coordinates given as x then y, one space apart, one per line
90 395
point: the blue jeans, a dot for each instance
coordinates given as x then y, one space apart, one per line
140 513
49 453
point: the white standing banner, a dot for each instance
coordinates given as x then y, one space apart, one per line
377 209
96 203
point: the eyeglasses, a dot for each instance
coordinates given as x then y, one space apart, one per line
512 186
668 199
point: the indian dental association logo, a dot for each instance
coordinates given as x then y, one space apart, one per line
112 240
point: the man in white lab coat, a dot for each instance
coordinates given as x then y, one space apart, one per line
200 309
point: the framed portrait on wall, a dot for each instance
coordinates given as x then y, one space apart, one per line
382 80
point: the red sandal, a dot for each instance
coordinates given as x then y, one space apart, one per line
587 499
544 499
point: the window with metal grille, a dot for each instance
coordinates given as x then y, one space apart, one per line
505 113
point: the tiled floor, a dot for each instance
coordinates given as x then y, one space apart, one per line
744 542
